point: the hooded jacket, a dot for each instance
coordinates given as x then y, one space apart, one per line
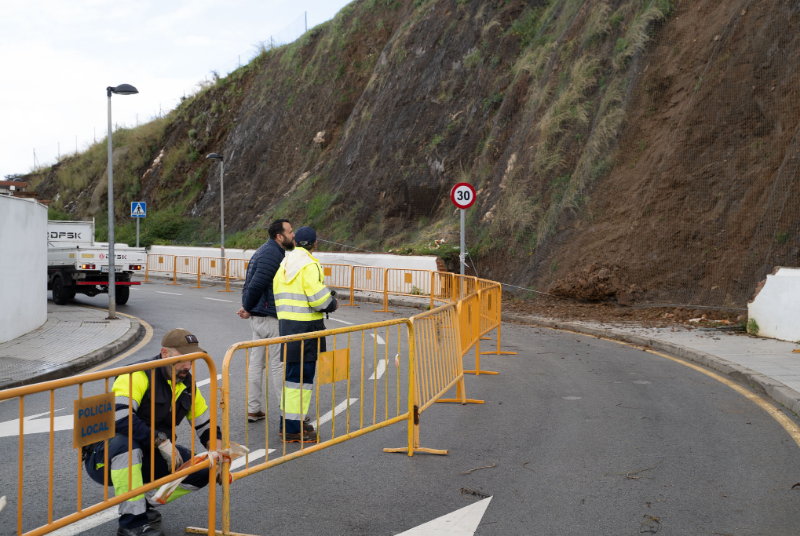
301 298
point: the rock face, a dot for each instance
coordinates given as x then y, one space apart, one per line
651 138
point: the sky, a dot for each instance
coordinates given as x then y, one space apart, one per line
60 56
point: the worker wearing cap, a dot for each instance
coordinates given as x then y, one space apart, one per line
301 298
137 515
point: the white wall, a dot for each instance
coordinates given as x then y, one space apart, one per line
776 307
418 262
23 266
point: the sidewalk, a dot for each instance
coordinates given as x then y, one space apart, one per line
768 365
73 339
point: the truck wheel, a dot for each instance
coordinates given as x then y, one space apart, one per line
123 293
61 295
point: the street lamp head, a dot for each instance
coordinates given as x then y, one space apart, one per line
214 156
122 89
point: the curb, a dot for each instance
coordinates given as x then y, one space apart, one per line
779 392
82 363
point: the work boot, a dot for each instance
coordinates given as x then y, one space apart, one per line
154 518
295 438
308 428
144 530
255 417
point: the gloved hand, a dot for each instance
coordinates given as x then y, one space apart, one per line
166 452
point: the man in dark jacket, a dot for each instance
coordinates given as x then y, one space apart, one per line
258 304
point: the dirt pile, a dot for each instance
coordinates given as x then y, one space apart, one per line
596 283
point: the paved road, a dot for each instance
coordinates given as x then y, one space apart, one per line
585 437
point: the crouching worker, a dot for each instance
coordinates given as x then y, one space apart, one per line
300 299
137 516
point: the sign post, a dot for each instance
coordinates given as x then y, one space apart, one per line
463 196
138 211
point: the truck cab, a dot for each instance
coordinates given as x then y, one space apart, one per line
76 264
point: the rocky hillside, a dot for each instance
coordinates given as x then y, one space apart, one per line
629 150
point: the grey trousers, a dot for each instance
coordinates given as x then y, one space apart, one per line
264 327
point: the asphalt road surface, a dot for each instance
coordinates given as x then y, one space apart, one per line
577 436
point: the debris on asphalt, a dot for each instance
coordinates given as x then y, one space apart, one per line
796 486
628 475
650 525
528 468
478 468
470 491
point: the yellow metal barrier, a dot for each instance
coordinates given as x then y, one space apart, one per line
408 282
158 263
107 398
340 276
236 269
388 346
371 279
491 311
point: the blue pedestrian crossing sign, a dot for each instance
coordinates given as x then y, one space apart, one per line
138 209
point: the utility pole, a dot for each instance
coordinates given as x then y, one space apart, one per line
305 16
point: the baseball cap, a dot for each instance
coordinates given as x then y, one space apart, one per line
181 340
305 236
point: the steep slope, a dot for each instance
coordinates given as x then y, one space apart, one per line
633 150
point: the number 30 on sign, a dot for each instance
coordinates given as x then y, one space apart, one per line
462 195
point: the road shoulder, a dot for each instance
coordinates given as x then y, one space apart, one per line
778 391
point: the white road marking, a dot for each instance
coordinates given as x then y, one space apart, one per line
217 299
170 293
641 382
380 340
255 455
36 425
338 409
207 381
88 523
571 397
381 369
462 522
342 321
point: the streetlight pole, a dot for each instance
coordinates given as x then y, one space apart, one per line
122 89
220 159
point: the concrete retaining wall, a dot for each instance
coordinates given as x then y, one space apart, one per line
23 266
387 260
776 307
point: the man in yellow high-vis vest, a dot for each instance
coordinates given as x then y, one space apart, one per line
301 298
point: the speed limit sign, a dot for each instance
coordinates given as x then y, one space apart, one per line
462 195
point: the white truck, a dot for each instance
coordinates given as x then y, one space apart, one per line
76 264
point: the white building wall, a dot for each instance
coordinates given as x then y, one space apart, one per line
776 307
387 260
23 266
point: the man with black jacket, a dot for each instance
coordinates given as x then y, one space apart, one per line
258 304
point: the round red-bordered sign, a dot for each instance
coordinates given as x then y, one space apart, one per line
462 195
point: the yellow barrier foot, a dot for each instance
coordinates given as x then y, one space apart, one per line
383 311
459 401
226 291
198 530
479 372
486 338
499 352
404 450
